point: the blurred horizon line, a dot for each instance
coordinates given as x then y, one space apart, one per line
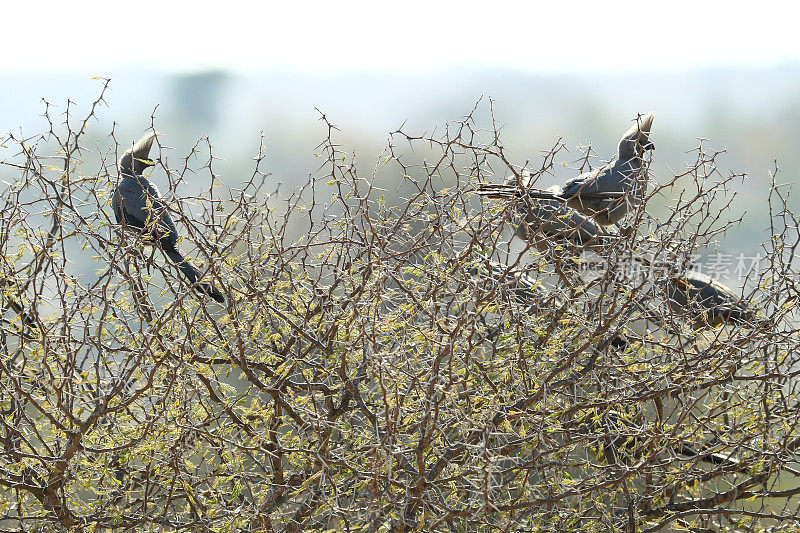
454 68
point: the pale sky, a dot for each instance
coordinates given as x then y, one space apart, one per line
334 36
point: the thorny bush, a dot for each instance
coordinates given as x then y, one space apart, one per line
385 360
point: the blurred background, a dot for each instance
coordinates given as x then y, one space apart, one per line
579 72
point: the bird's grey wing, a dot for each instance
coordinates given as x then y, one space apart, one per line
141 201
606 194
164 227
722 290
706 289
609 182
116 206
701 294
131 205
725 300
576 185
550 218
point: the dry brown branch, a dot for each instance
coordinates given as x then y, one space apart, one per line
389 356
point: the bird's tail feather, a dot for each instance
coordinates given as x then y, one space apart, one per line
17 306
192 274
704 455
499 191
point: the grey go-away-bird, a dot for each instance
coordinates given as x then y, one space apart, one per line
138 206
542 220
705 302
608 193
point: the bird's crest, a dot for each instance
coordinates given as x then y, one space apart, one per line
136 159
636 140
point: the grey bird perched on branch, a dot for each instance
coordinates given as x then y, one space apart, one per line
542 220
708 303
138 206
608 193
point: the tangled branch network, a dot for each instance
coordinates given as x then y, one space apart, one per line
441 344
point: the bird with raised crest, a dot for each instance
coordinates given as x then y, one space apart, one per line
139 207
605 194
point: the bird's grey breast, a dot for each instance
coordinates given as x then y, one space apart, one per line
137 195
